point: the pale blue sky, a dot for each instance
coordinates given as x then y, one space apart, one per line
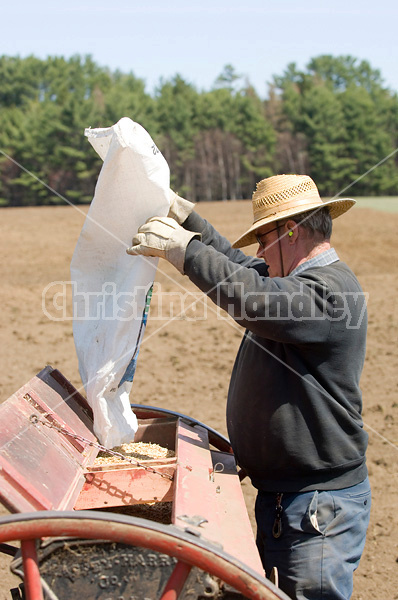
196 38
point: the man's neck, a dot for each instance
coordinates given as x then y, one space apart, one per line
314 251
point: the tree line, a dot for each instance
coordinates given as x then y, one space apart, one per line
334 120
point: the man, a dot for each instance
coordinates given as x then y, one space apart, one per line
294 402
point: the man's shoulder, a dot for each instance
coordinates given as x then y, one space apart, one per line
336 275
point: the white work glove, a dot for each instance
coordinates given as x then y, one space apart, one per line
163 237
180 209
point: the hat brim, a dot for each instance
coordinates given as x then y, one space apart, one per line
336 208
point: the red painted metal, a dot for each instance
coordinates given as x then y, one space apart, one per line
62 398
126 486
215 438
139 532
42 468
160 431
33 590
176 582
39 466
208 497
38 403
194 491
19 482
55 379
235 527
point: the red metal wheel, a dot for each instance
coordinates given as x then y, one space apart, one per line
189 550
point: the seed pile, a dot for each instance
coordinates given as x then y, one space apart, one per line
136 450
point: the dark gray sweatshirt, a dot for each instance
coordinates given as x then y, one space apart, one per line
294 402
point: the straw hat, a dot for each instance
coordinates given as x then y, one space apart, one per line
284 196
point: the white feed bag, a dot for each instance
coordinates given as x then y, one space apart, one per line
111 290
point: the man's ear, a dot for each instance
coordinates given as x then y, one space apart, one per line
292 231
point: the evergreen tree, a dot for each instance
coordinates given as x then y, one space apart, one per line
334 120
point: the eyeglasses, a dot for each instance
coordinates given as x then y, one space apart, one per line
260 241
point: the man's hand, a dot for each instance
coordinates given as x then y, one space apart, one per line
180 209
163 237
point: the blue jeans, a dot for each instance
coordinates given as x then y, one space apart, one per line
321 543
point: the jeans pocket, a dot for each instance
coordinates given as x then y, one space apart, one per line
360 492
320 513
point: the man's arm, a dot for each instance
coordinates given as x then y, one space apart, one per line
183 211
278 308
211 237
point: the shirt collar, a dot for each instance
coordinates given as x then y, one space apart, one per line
327 257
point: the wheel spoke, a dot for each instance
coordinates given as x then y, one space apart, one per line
176 581
31 570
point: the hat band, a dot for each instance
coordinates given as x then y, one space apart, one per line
273 210
304 187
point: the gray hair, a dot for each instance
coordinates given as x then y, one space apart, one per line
318 222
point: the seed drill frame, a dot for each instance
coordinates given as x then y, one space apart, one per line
75 522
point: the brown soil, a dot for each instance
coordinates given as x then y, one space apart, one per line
185 363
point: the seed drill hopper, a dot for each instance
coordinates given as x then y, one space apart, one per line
152 529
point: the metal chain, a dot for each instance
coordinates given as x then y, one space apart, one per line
277 526
35 420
